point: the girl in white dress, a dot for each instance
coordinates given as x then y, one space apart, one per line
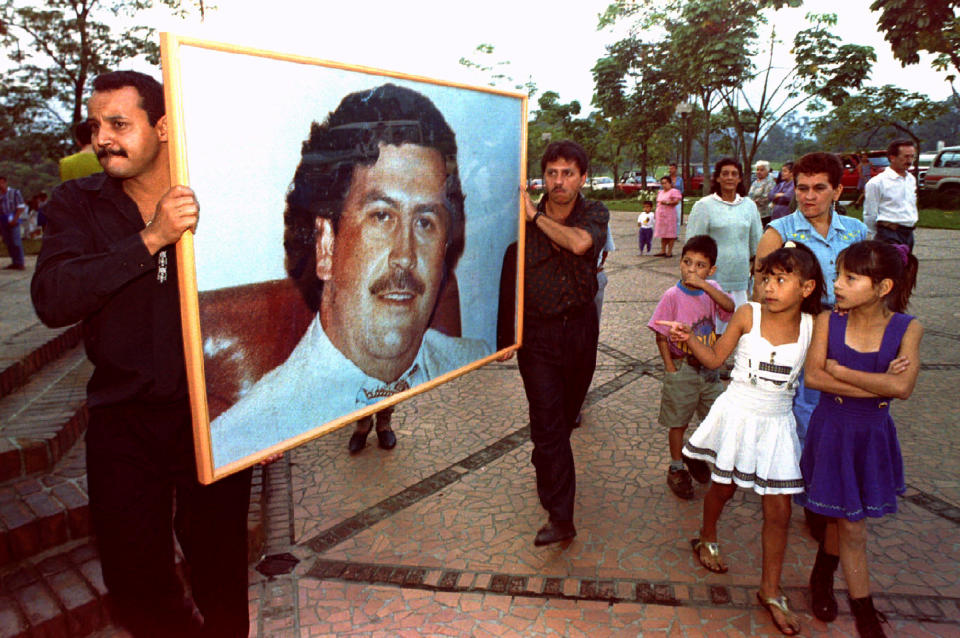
750 433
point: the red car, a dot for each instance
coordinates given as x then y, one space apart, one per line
695 187
632 185
851 168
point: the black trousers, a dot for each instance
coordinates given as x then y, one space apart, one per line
901 235
557 361
140 470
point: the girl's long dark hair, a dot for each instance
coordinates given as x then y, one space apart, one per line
799 259
879 260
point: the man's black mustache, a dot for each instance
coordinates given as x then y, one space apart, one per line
103 152
397 280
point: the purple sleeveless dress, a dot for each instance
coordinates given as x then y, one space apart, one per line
851 462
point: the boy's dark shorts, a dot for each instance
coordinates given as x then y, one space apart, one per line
686 392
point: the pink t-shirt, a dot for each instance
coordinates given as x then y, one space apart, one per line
692 307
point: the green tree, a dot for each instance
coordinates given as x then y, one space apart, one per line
911 26
497 70
875 110
822 70
552 121
57 47
709 45
637 93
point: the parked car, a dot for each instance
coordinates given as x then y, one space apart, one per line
601 183
535 185
943 176
851 169
924 161
629 185
632 185
695 186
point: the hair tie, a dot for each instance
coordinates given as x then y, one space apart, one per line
904 251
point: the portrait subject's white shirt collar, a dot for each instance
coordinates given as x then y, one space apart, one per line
369 390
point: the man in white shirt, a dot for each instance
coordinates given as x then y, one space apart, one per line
890 204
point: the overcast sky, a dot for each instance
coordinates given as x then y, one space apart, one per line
556 45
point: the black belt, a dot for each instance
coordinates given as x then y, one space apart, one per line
893 226
571 314
691 360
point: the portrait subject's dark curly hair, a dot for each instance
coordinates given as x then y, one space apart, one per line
350 137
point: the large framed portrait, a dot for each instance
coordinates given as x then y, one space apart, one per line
355 228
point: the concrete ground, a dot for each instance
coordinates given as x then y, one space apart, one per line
435 537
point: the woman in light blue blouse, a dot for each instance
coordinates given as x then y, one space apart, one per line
732 220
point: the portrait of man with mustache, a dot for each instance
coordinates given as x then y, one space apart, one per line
374 227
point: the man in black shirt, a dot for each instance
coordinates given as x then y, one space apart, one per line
564 236
108 261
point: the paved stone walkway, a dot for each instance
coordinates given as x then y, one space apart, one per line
435 536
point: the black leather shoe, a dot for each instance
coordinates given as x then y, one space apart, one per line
386 439
358 441
823 602
554 532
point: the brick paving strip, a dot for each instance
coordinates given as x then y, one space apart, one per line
939 609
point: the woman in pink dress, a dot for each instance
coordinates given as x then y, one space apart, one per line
665 226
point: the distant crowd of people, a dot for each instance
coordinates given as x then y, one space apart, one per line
21 219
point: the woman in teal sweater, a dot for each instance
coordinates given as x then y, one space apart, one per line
732 220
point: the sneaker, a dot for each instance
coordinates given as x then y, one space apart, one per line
699 470
680 484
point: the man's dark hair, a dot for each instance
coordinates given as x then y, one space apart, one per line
151 91
671 164
715 180
813 163
351 137
894 148
568 150
83 133
703 244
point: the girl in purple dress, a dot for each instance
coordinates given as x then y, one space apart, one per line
861 358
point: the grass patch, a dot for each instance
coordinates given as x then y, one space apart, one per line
30 247
929 217
635 206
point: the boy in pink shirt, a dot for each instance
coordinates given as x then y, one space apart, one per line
688 387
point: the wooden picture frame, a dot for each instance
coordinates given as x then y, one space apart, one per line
279 149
